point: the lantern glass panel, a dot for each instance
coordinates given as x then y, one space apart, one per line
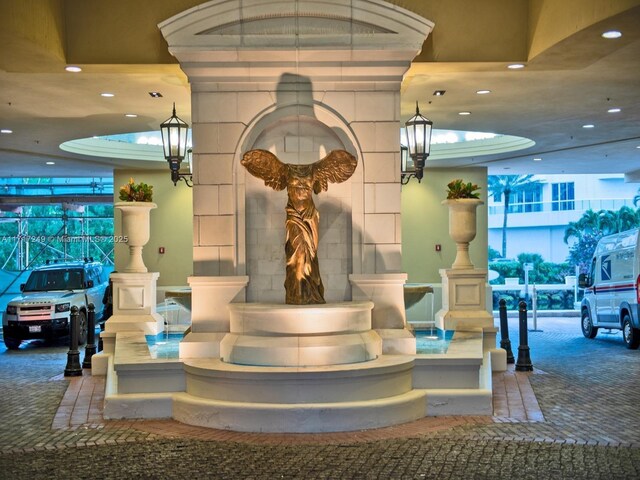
407 165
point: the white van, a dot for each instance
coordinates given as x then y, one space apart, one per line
612 288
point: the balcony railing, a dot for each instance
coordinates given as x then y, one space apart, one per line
563 205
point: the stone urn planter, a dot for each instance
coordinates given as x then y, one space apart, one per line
462 228
135 231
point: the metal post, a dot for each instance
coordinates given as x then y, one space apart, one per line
524 360
534 306
73 368
100 341
504 330
90 349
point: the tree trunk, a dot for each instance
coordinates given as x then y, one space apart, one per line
504 224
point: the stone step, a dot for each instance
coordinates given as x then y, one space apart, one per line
301 417
213 379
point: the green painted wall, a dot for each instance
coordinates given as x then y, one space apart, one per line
425 223
171 227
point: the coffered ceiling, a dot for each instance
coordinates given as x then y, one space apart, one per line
572 77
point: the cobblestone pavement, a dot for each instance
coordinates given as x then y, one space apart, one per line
588 391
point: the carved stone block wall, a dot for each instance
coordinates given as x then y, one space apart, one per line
298 81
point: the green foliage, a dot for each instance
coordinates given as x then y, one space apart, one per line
499 185
581 252
88 234
506 270
543 272
534 258
546 299
132 192
458 189
591 227
493 254
508 184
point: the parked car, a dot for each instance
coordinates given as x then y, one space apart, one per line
612 288
43 309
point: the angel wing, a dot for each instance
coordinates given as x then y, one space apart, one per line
336 167
266 166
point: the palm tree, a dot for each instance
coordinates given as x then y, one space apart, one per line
506 185
626 218
602 222
636 199
592 226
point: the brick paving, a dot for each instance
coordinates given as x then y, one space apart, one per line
575 416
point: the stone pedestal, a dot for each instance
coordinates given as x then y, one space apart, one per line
273 335
463 300
134 310
134 304
210 299
388 317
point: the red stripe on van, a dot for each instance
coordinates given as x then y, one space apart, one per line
615 288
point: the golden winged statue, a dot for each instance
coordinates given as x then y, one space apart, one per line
303 285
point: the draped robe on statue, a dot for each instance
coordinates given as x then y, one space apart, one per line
303 285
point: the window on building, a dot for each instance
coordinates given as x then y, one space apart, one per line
562 196
524 201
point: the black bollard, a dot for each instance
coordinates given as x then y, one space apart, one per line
73 368
504 330
524 360
90 349
100 344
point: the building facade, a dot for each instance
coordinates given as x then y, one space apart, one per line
537 218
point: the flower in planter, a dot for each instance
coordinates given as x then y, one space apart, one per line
136 192
459 189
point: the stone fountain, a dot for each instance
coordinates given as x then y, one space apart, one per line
251 361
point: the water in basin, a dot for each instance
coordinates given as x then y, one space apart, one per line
427 342
164 345
433 341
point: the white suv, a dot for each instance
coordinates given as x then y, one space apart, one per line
43 309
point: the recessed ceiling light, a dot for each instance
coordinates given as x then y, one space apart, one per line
6 130
155 94
614 110
515 66
72 68
483 92
537 159
130 115
107 94
464 113
612 34
439 93
51 163
589 125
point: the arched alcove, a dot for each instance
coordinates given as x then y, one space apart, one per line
296 135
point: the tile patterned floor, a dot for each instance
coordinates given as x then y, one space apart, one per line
584 426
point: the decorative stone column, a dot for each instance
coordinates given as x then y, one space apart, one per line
134 290
464 288
134 310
